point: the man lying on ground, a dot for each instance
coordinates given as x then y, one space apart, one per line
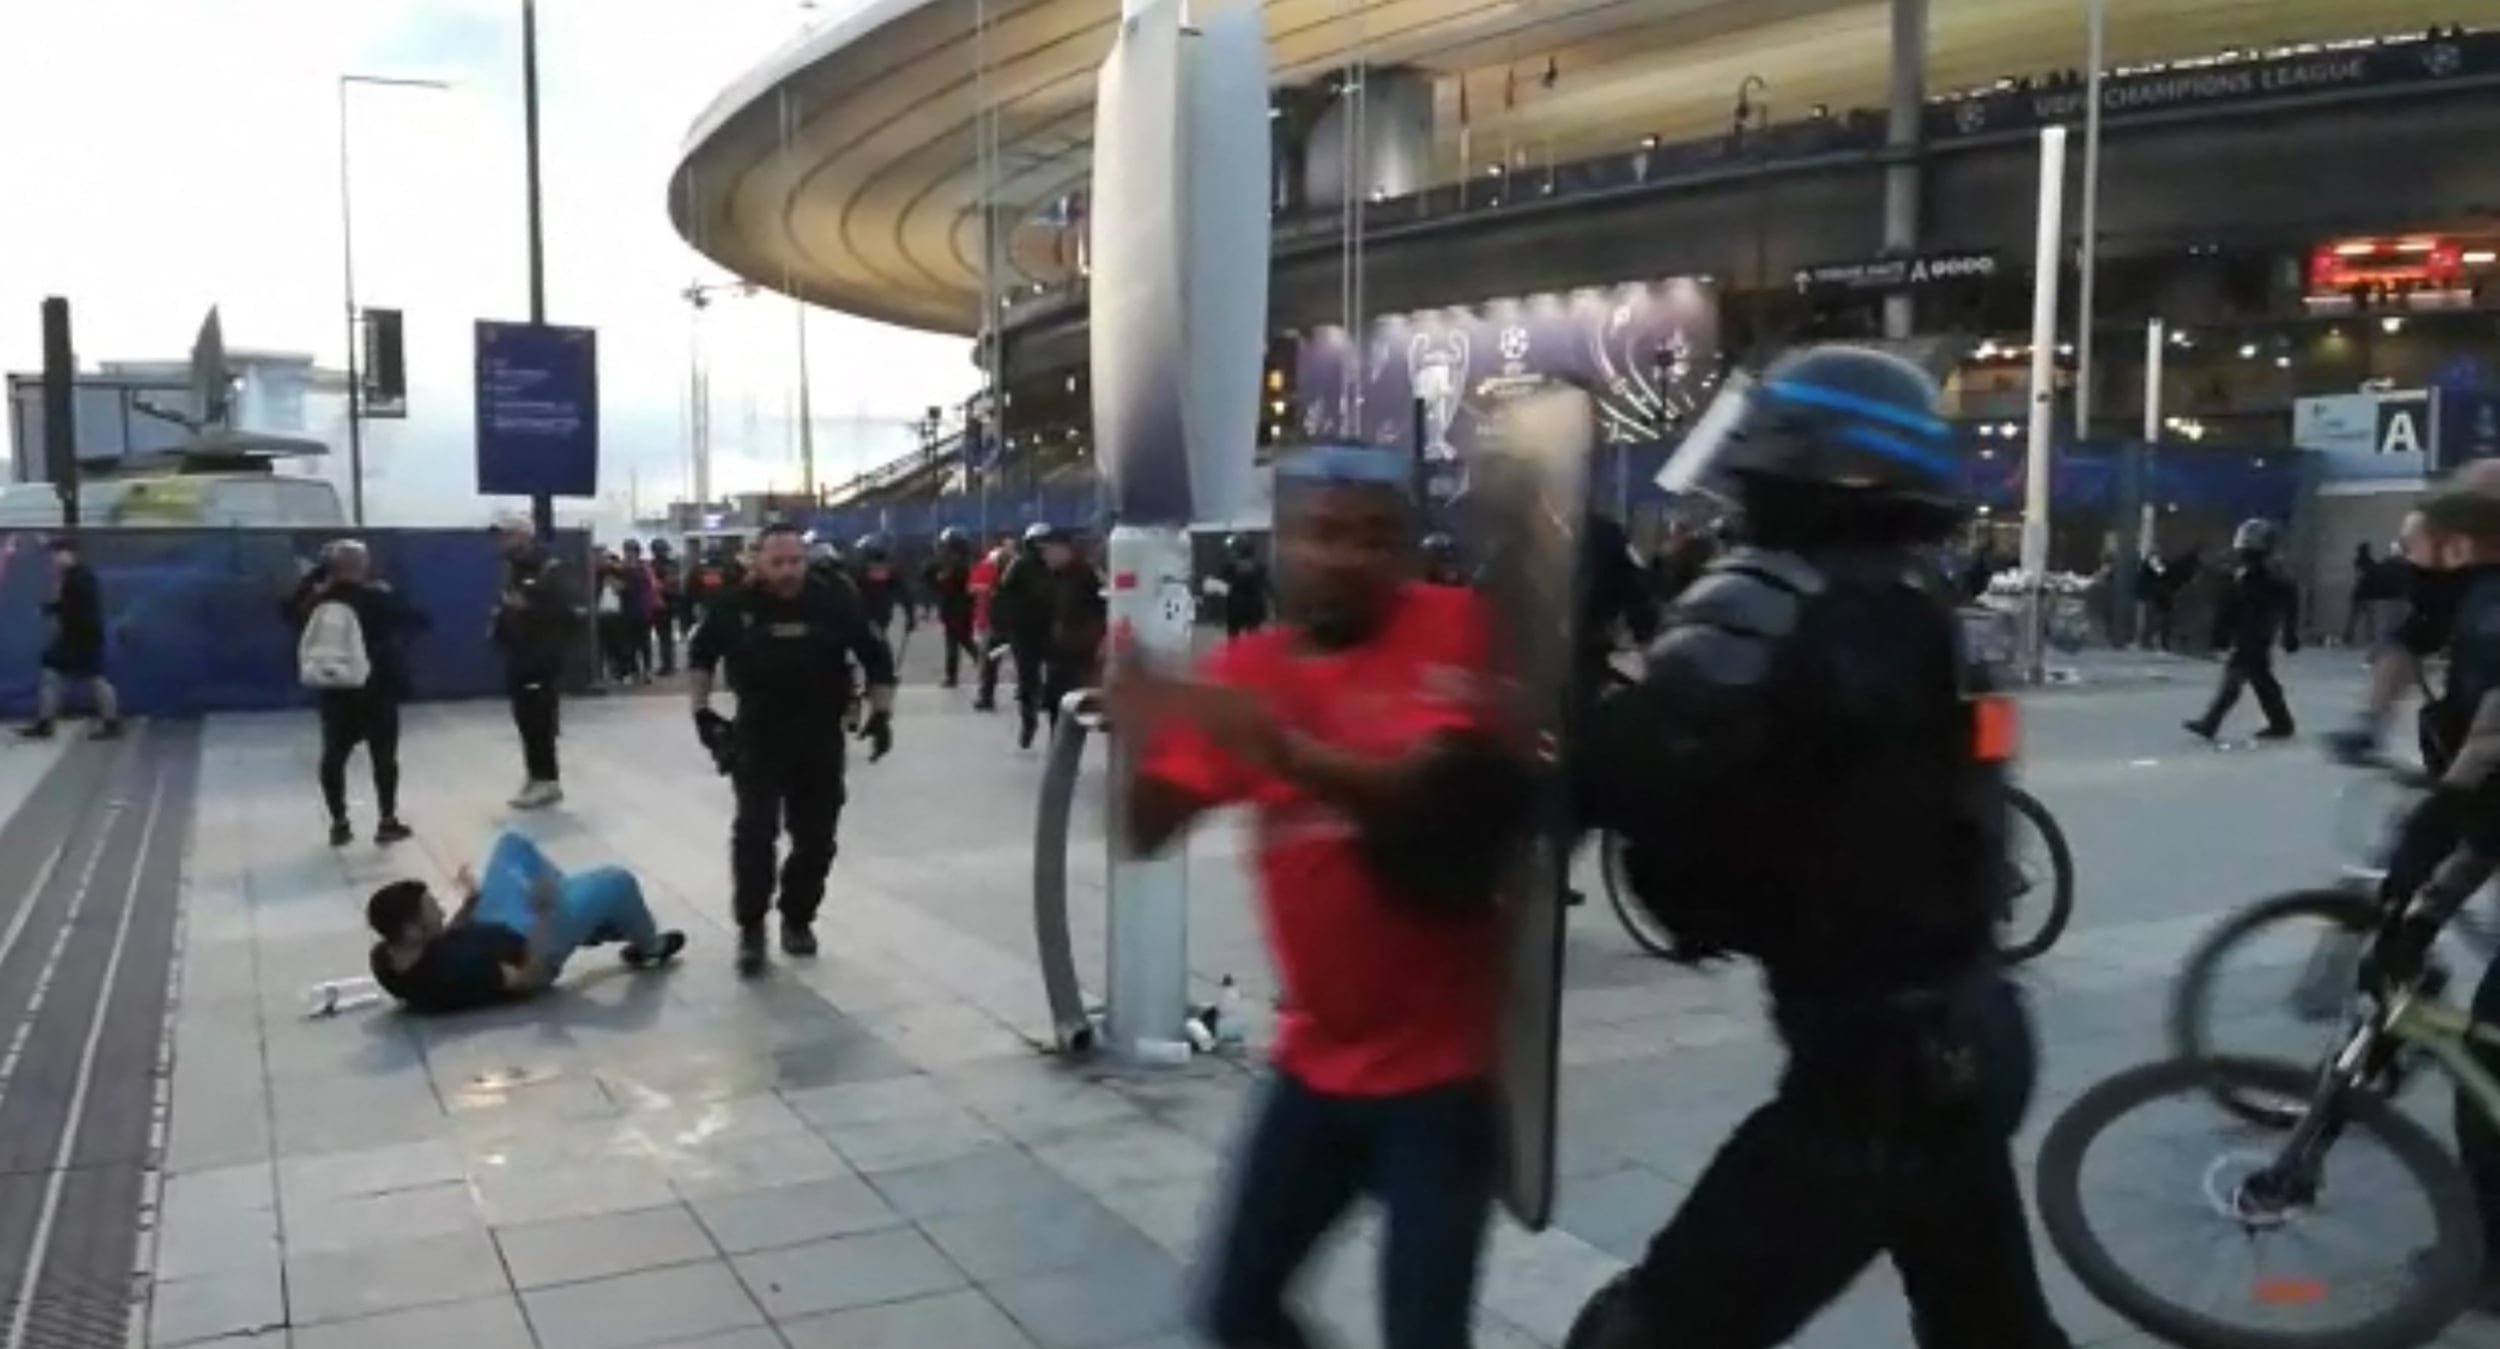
512 933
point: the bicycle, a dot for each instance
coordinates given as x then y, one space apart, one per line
2321 992
2281 1188
2015 945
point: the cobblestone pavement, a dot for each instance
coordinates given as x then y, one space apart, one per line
868 1151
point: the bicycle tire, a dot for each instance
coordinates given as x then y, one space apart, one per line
2191 995
2061 906
2430 1305
1636 920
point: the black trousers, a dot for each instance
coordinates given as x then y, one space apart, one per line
536 715
2256 675
956 632
784 788
664 631
1428 1157
1236 624
1029 659
1859 1155
352 717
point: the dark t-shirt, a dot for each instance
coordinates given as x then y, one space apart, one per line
461 969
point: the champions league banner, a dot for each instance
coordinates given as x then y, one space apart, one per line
1648 352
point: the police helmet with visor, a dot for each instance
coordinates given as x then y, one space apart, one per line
1852 425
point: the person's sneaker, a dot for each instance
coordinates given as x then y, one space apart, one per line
35 730
751 958
341 834
980 704
2276 733
2198 729
390 831
798 939
1024 733
537 796
106 730
663 950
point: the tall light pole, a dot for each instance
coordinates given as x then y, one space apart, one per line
2037 470
347 261
698 297
542 506
2096 20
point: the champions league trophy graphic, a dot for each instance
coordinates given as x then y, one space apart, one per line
1436 371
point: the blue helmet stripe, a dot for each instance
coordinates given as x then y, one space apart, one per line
1841 400
1895 448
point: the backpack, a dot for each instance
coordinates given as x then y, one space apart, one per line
330 654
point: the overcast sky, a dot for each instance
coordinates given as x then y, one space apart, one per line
166 155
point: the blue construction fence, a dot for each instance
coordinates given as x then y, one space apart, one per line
194 623
2224 481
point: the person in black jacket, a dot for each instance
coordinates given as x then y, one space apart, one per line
950 594
1021 614
2259 609
788 642
369 715
1079 618
880 587
1248 597
535 627
75 654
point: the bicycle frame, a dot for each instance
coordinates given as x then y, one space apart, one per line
2449 1034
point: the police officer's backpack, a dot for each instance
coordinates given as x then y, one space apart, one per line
330 654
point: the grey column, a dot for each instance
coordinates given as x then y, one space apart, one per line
1904 139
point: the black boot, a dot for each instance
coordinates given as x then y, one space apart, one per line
797 938
341 833
751 957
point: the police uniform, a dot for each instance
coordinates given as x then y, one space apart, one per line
950 593
2259 609
788 659
1798 781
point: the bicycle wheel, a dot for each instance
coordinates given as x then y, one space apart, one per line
1629 911
2435 1281
2319 993
2037 912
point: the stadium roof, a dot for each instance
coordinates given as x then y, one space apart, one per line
843 169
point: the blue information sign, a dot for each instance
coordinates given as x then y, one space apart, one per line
537 410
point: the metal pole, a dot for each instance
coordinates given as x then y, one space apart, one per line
355 380
2047 246
2156 342
542 506
807 411
1904 136
2096 21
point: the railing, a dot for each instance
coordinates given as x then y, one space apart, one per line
2203 87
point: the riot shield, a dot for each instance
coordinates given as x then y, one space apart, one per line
1520 514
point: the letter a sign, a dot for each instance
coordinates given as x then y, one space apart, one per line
2400 425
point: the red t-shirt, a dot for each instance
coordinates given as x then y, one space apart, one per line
982 582
1382 998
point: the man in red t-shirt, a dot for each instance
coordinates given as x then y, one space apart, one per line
1363 736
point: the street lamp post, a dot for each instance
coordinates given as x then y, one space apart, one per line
2096 22
1753 118
698 297
347 261
542 506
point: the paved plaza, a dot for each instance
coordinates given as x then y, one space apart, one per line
871 1150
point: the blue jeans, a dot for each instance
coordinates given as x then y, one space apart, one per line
603 904
1427 1156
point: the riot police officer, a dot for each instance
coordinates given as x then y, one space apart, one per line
880 588
1022 612
787 641
1800 778
1248 597
2259 609
950 594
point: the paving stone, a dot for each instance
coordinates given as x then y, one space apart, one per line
992 1179
845 1272
794 1214
370 1280
486 1323
656 1306
1103 1303
213 1306
572 1250
959 1320
1005 1243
